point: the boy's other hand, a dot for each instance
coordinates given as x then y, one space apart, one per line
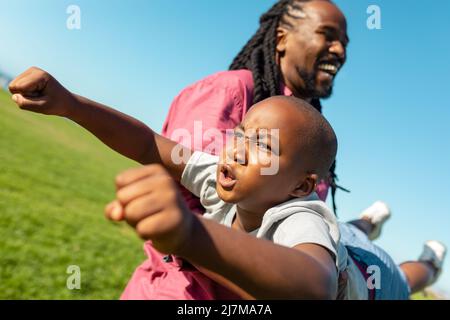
36 90
147 199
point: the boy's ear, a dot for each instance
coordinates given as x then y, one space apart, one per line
281 40
306 187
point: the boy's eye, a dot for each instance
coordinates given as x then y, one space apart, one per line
238 135
263 145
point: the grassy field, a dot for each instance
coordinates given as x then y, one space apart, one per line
55 179
425 295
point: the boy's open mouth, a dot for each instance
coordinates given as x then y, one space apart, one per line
227 179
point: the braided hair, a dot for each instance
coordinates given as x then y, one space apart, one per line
258 56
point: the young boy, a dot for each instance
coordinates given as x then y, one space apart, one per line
304 255
280 207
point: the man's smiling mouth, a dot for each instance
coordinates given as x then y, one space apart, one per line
331 67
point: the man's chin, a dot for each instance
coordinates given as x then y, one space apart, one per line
316 86
323 92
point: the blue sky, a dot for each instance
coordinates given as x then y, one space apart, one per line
390 108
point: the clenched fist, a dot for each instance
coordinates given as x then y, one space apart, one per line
36 90
148 200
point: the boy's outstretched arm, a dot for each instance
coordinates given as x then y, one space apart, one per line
259 267
36 90
149 201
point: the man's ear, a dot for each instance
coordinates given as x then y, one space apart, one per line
281 40
306 187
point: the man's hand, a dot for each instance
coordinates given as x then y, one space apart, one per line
36 90
148 200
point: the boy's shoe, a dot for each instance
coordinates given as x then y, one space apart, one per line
376 214
434 253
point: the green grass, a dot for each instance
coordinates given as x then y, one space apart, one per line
55 179
426 295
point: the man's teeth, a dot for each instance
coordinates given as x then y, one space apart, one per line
328 67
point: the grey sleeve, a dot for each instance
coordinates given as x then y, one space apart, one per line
304 227
199 177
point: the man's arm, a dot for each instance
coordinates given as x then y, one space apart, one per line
36 90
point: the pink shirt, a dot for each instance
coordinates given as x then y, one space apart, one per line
219 101
159 278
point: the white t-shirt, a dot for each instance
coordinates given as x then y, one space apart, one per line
298 221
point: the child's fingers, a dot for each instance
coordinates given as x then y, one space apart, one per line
31 81
135 190
141 208
29 103
139 188
133 175
16 86
114 211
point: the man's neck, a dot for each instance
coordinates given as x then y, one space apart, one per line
287 90
300 96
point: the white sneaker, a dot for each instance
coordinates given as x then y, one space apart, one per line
434 252
377 214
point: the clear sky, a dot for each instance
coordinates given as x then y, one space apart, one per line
390 109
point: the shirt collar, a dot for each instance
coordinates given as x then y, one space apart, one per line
288 92
285 90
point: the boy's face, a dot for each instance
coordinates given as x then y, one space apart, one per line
261 165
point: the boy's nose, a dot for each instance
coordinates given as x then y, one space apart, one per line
239 151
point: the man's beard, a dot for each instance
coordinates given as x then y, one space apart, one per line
311 90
